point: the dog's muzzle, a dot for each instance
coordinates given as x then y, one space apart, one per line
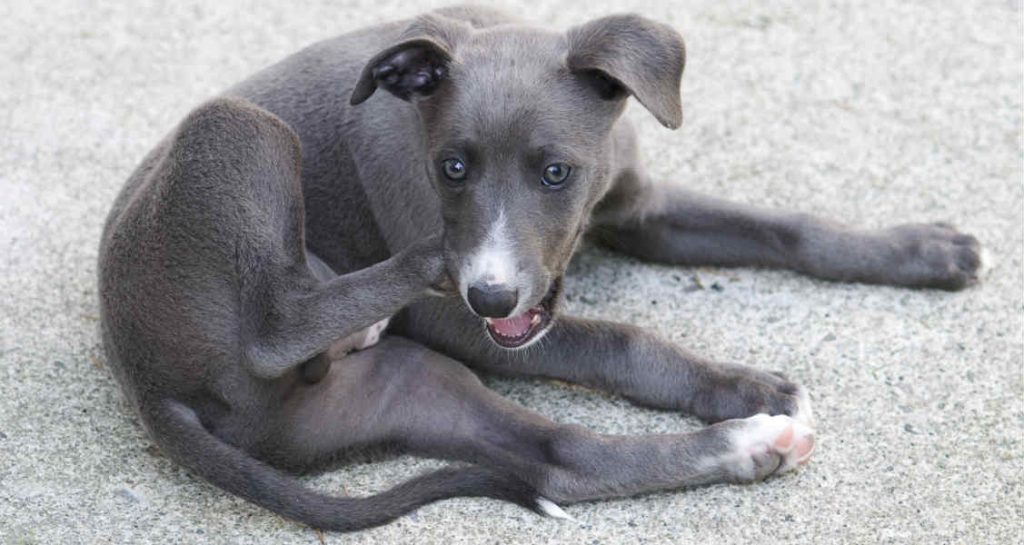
515 332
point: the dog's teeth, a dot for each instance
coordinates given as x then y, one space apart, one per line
535 320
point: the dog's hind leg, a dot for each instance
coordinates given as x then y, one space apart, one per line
668 224
233 180
313 315
403 394
316 367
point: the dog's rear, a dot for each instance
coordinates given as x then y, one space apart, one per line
172 258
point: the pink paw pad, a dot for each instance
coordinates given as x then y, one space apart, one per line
765 439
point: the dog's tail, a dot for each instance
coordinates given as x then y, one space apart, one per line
183 438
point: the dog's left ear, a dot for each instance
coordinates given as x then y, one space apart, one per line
416 65
633 54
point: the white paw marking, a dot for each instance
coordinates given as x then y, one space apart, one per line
761 435
551 509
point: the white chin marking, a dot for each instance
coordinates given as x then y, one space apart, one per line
552 510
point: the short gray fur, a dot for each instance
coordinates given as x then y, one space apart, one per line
214 299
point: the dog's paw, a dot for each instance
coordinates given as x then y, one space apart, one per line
739 391
372 334
764 445
932 255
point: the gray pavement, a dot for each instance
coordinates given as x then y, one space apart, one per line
871 113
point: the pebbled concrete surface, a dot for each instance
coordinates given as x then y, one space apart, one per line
872 114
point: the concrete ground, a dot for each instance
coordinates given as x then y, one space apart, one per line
872 113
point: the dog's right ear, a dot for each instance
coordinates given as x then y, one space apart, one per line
629 53
416 65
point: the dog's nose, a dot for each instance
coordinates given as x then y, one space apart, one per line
495 301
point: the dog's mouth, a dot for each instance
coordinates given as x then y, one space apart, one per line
520 331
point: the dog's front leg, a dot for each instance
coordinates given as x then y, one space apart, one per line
618 358
650 371
668 224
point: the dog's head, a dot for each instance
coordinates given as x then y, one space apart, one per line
517 125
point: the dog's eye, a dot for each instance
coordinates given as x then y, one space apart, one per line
555 174
454 169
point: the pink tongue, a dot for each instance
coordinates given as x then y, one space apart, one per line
516 326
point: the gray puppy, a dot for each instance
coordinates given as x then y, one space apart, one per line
304 206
